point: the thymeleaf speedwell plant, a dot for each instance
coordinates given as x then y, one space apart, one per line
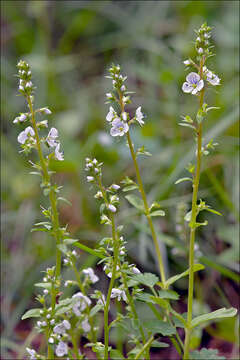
64 319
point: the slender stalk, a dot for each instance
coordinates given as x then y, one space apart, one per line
55 217
196 180
115 261
145 347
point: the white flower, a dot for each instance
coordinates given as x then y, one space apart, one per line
62 327
58 154
52 137
123 88
109 95
43 123
80 305
24 135
115 186
112 208
139 116
61 349
20 118
32 353
111 114
51 340
28 84
193 84
135 270
90 178
124 116
187 62
45 291
211 78
98 195
90 274
200 50
45 111
119 294
85 325
119 128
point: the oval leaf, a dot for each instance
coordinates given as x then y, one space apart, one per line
31 313
212 316
135 201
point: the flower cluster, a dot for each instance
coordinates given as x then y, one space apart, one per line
194 83
25 75
120 121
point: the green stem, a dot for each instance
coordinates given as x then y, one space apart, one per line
53 202
193 228
144 348
106 308
144 198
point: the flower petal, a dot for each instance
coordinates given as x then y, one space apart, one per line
187 88
193 78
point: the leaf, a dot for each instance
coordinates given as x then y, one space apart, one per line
89 250
206 354
145 297
159 326
187 125
188 216
168 294
135 201
31 313
179 320
64 200
159 344
129 188
116 354
161 302
95 309
147 279
213 211
69 241
183 179
212 316
157 213
170 281
45 285
142 151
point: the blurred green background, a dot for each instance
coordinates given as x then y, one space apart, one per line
70 45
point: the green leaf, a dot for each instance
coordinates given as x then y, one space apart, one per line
129 188
170 281
95 309
116 354
157 213
206 354
89 250
135 201
161 302
69 241
159 344
187 125
159 326
168 294
212 316
188 216
45 285
145 297
213 211
31 313
64 200
183 179
147 279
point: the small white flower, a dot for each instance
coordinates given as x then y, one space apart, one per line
28 84
98 195
51 340
212 78
135 270
43 123
90 274
90 178
112 208
96 170
45 111
67 324
48 316
200 50
52 137
115 186
139 116
80 305
74 253
52 322
119 294
95 161
85 325
45 291
125 99
20 118
62 327
119 128
61 349
21 87
44 323
32 353
39 323
109 95
111 114
194 84
59 155
187 62
198 38
123 88
24 135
